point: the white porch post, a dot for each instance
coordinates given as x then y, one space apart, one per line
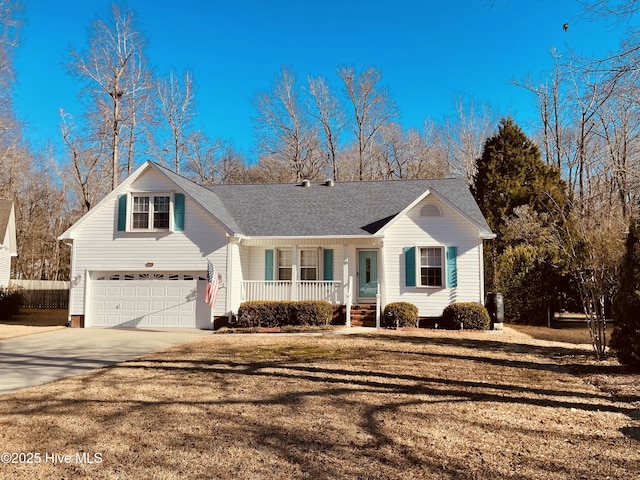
348 284
294 273
381 297
233 283
378 307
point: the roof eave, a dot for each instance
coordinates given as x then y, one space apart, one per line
228 230
309 237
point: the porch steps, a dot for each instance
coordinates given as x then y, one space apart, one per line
363 315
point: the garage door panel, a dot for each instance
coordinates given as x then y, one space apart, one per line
156 306
128 291
174 291
143 306
143 290
99 290
158 291
140 299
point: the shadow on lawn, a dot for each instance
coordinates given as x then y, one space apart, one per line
386 392
384 382
487 347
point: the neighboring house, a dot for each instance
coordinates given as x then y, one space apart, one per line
8 247
139 258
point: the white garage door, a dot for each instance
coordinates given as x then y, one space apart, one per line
141 299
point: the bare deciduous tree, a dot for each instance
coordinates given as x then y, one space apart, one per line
371 107
283 129
327 110
464 135
84 170
177 109
115 74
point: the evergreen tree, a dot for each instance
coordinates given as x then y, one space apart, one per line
510 176
625 340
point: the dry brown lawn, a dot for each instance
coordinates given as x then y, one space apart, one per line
388 405
33 320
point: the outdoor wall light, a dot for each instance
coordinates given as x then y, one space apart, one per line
148 264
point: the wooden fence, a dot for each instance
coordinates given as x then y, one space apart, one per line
43 293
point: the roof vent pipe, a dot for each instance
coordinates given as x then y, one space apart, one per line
328 182
306 183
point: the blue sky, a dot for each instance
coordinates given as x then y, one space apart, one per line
429 52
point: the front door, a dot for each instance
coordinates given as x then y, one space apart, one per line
367 273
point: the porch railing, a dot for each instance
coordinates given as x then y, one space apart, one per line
330 291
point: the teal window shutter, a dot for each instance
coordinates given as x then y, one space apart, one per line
178 211
328 264
268 264
452 268
410 266
122 213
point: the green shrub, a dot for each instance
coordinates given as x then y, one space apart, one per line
10 301
467 315
625 339
528 281
312 312
281 313
400 314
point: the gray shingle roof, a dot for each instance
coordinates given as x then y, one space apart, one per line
346 208
5 213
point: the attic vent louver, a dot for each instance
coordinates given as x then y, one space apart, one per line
306 183
328 183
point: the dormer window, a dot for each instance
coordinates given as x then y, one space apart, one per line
150 212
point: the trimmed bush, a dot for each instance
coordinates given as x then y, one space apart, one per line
10 301
400 314
282 313
312 312
467 315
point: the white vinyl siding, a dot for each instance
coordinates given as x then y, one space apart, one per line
5 267
98 246
450 229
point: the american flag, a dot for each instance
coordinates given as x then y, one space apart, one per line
213 283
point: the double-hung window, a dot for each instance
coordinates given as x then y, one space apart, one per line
150 212
307 267
284 264
308 264
431 267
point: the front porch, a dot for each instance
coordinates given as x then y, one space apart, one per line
330 290
343 271
335 292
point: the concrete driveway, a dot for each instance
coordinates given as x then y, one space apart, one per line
44 357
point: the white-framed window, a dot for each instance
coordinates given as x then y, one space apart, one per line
431 267
307 264
285 258
150 211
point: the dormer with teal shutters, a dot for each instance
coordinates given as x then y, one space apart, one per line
151 212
